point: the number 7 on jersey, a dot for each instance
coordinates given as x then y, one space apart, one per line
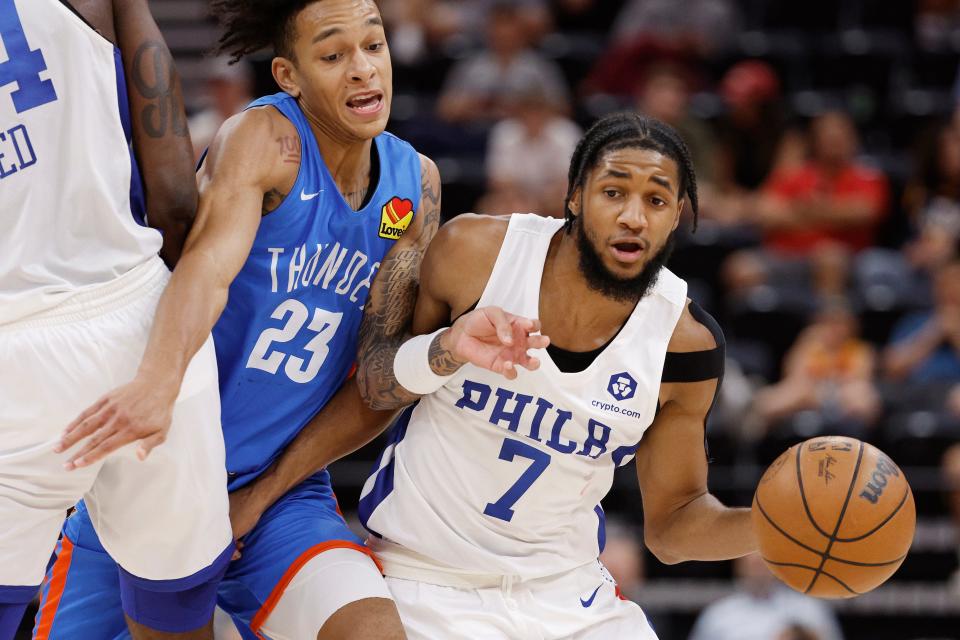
511 449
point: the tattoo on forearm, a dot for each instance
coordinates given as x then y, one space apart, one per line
271 200
388 313
442 361
155 78
289 149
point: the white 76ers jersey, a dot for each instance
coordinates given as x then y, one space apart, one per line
493 476
67 176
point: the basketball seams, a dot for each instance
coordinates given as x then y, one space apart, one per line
903 501
825 555
843 511
803 494
809 568
782 532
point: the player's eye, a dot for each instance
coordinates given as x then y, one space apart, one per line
657 201
376 46
611 193
333 57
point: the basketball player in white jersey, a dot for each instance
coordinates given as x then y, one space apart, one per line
485 506
79 280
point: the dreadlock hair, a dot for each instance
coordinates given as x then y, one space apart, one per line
252 25
623 131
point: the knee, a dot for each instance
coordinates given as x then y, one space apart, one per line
367 619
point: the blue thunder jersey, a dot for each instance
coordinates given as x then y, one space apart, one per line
287 339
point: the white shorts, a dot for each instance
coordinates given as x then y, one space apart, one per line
161 519
580 604
326 583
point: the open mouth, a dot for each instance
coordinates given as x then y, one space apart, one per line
627 251
366 103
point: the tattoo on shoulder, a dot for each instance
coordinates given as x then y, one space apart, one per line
271 200
155 78
289 149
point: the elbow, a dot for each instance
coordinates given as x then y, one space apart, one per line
661 549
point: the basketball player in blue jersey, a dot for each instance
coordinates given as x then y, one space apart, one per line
485 506
302 198
92 136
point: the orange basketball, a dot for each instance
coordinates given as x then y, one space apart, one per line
834 517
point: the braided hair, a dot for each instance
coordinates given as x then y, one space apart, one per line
252 25
630 130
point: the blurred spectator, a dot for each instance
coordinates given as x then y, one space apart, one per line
594 16
623 557
764 609
664 94
831 197
932 199
753 139
701 26
925 346
530 151
937 24
829 370
798 632
951 483
475 88
229 88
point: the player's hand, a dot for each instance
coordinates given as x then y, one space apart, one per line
493 339
137 411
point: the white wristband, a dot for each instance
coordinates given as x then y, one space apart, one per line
411 365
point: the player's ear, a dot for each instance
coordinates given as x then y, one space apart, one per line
676 218
285 73
576 202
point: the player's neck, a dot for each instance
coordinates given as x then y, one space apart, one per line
348 164
574 315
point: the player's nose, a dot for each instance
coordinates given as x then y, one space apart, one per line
361 68
633 216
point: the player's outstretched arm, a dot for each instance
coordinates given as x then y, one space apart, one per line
243 165
452 276
159 123
681 519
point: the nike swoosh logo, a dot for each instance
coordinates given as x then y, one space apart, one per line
309 196
588 602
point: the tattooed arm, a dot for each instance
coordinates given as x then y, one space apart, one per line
451 279
246 171
388 314
160 138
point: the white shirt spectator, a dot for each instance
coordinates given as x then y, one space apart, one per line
744 616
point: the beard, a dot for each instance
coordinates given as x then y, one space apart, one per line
608 284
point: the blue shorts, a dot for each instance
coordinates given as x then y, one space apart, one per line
81 596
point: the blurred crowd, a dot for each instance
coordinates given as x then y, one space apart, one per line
826 139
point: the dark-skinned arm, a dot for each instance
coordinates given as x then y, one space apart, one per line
682 520
242 167
161 141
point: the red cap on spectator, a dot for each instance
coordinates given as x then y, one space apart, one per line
750 81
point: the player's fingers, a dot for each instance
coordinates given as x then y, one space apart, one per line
89 424
531 364
501 323
91 451
86 413
508 370
147 444
538 342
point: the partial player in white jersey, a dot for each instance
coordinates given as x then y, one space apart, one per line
93 145
485 506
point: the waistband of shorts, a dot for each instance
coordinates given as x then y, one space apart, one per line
405 564
100 299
